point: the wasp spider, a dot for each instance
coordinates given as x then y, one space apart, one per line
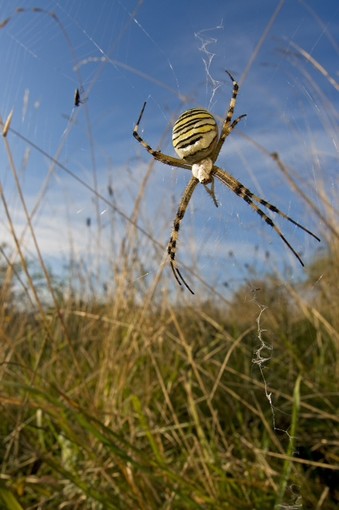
197 142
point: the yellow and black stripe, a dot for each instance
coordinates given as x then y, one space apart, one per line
195 135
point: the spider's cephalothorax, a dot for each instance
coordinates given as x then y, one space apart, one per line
196 141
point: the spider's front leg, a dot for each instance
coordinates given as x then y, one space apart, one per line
136 135
172 245
158 155
228 125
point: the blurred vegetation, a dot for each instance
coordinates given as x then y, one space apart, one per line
114 404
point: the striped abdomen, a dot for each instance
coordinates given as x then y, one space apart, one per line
195 135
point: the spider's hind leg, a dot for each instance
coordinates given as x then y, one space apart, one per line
172 245
179 278
250 198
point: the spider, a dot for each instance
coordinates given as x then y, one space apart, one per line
197 143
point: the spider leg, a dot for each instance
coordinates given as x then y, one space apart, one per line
249 197
158 155
172 245
179 278
274 209
234 123
228 125
211 192
233 100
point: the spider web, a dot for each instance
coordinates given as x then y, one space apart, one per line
91 196
206 43
26 28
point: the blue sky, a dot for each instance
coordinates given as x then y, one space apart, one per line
172 54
